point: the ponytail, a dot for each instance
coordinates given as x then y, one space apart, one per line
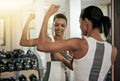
95 15
106 25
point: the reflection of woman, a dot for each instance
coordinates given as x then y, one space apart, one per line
24 40
55 70
92 55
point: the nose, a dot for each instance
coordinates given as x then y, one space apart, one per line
59 27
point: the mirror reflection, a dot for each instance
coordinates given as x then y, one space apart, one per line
17 12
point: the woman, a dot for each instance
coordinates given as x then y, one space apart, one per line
93 56
55 70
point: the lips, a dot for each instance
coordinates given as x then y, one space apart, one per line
58 32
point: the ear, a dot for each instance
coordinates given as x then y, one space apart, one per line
88 24
86 20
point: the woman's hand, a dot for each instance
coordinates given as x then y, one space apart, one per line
59 57
32 16
53 9
70 55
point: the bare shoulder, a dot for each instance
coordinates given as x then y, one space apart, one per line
81 48
114 50
114 53
79 41
81 44
74 43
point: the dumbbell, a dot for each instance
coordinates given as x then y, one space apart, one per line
29 53
2 66
2 53
25 64
17 65
10 65
17 53
22 78
33 64
9 55
33 77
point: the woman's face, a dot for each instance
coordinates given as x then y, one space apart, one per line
59 26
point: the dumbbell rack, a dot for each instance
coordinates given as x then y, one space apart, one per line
16 64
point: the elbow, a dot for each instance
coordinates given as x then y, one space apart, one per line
24 43
41 47
21 43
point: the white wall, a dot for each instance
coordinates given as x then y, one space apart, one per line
74 13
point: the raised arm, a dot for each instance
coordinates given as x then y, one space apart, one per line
57 46
24 40
43 32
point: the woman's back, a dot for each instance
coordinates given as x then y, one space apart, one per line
95 64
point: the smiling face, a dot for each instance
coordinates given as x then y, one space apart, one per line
59 26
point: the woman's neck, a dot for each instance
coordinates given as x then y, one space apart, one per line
57 38
95 34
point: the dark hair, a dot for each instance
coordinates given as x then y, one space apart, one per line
60 16
95 15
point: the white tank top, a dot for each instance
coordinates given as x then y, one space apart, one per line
95 64
55 70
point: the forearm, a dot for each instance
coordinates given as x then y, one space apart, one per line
24 38
43 33
43 43
24 33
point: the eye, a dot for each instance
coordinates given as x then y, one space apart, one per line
56 24
62 25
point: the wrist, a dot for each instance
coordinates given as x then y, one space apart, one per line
47 16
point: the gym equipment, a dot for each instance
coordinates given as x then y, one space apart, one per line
17 61
33 64
22 78
33 77
9 66
25 64
9 54
17 65
2 66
